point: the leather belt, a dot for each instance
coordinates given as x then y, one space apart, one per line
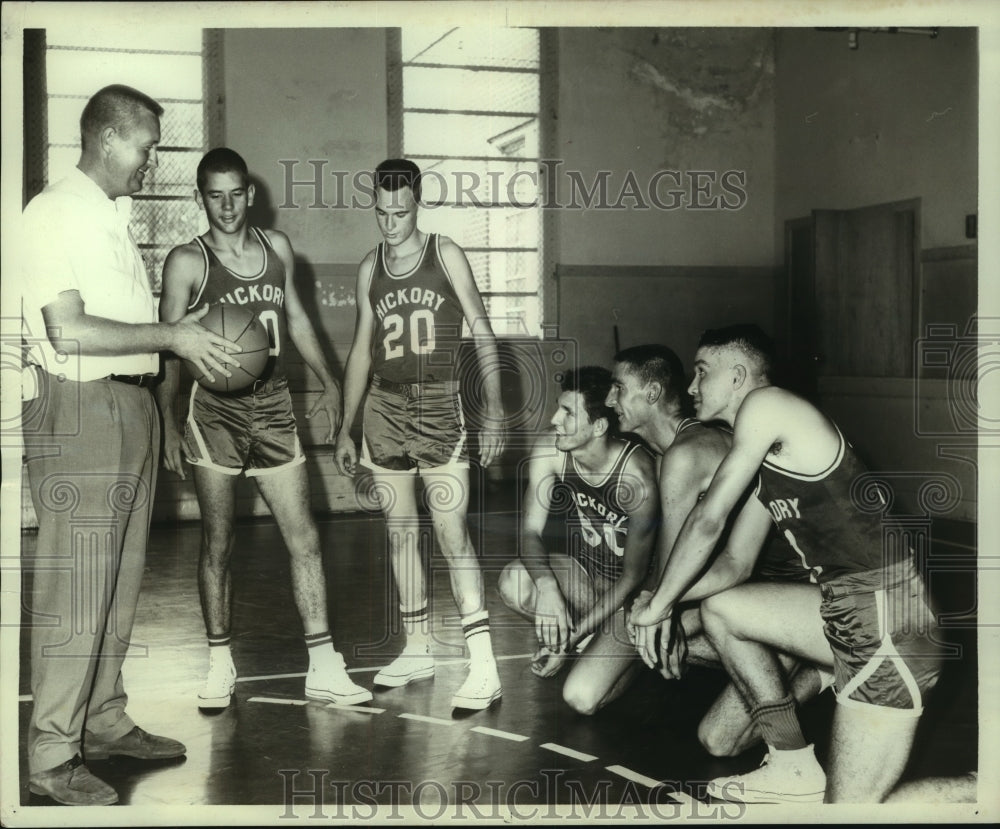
435 387
133 379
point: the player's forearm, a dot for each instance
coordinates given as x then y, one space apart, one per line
723 574
308 346
356 375
689 556
167 390
489 369
535 558
99 336
607 605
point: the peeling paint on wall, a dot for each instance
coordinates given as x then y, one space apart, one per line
711 79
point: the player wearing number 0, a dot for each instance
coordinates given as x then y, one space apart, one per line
413 292
605 486
252 431
869 618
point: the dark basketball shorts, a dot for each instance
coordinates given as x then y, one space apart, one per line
885 639
581 586
253 433
413 427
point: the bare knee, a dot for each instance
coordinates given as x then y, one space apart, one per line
580 697
515 587
453 538
507 586
715 743
716 617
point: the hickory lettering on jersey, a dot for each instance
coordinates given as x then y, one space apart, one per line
408 296
784 508
244 295
609 516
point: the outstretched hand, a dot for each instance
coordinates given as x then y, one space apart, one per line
492 440
345 453
331 402
546 664
173 457
643 633
553 622
673 648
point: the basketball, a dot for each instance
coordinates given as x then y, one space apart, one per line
241 326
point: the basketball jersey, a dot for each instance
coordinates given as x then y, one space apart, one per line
263 293
597 514
819 518
418 318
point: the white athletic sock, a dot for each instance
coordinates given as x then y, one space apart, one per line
417 626
219 648
476 627
320 649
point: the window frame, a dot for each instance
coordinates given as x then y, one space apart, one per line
36 132
546 292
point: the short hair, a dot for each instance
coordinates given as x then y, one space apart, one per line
396 173
115 106
653 362
221 160
593 383
747 338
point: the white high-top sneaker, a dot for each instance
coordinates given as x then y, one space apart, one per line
219 684
329 681
414 663
783 777
481 686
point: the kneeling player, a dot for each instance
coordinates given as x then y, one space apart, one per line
607 487
649 397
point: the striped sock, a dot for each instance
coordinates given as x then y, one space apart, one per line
320 647
417 625
476 627
778 724
219 647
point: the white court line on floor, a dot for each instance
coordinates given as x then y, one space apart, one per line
364 709
634 776
496 732
422 718
268 676
569 752
276 701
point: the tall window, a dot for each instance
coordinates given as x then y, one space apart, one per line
168 65
470 119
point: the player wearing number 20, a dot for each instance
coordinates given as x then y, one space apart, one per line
414 291
250 432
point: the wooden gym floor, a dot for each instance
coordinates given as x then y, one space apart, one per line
528 749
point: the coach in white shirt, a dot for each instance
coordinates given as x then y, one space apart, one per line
91 435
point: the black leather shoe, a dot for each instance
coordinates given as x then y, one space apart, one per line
137 743
72 784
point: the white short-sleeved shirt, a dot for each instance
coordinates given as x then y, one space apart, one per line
77 239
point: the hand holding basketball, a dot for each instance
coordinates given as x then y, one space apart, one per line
236 328
200 347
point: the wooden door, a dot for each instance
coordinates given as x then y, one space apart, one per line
851 298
